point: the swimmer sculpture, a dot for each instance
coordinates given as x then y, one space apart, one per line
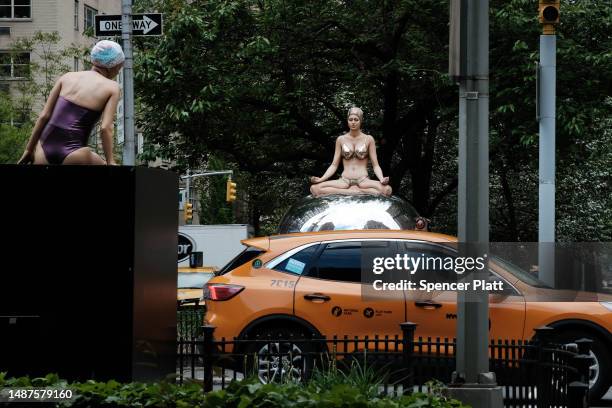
75 104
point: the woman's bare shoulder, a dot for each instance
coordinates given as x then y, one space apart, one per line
113 85
68 76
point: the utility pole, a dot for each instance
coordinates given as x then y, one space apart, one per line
547 76
129 148
473 384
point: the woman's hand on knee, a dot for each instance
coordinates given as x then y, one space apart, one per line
315 180
384 181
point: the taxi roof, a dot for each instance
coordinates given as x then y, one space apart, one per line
286 241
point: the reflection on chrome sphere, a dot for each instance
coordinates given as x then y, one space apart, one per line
342 212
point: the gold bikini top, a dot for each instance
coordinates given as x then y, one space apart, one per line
360 152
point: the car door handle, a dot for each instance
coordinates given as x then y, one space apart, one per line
428 305
317 296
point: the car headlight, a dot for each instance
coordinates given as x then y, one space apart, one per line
607 305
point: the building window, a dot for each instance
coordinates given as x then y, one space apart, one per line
15 9
76 14
89 17
75 64
5 31
14 66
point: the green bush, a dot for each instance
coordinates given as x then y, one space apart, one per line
114 394
366 379
248 393
251 393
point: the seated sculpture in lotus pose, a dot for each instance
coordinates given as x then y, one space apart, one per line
354 148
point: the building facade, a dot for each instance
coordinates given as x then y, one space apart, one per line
72 20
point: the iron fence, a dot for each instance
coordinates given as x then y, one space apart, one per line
538 373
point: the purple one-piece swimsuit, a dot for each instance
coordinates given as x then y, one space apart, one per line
67 130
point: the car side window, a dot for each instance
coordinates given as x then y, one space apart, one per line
299 262
342 261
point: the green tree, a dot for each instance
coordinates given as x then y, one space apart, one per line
213 207
12 138
266 85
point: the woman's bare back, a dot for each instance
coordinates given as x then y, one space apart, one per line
88 89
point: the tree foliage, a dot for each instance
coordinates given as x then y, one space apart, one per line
266 85
12 138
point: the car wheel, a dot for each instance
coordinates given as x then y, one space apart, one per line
599 378
274 361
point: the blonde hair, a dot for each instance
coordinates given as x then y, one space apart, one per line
355 111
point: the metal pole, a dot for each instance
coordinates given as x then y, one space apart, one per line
187 186
208 173
473 384
546 207
129 149
473 309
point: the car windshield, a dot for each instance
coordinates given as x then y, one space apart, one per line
520 273
192 280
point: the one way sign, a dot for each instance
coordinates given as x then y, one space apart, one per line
142 24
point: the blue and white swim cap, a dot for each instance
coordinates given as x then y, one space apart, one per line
107 54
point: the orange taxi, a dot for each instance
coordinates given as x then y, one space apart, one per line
303 283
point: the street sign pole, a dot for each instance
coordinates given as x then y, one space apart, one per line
129 148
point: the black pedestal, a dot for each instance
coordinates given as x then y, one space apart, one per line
88 271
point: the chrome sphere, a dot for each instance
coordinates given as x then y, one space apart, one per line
346 212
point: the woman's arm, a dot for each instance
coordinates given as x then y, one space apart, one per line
331 170
374 158
43 118
108 124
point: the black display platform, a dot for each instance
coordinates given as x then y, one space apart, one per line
88 271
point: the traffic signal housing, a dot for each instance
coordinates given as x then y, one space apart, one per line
188 213
549 15
230 194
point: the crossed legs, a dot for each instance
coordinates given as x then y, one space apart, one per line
340 186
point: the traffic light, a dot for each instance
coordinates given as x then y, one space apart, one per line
188 213
549 15
230 194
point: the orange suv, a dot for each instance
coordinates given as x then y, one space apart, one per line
311 283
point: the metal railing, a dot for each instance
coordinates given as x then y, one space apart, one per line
538 373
